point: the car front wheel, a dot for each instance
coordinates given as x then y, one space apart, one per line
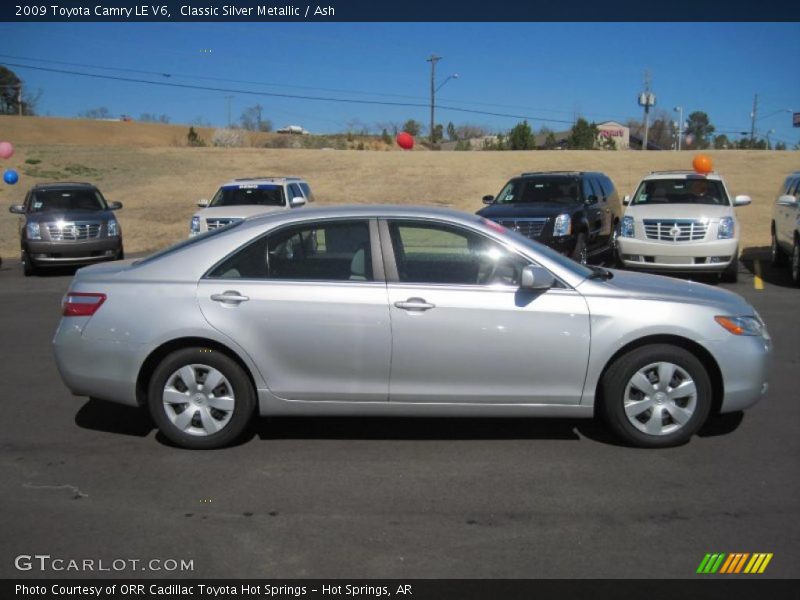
796 262
200 398
656 396
776 255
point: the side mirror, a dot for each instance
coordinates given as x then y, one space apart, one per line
17 209
202 203
626 200
488 199
297 201
785 200
536 278
115 205
741 201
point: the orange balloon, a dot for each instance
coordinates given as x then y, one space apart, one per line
702 164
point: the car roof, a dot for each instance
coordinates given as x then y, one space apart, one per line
263 179
63 185
558 173
682 174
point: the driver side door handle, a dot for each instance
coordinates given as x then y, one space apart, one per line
415 304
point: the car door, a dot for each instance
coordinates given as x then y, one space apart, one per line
463 332
308 303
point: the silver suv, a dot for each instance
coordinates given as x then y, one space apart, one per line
681 221
242 198
786 226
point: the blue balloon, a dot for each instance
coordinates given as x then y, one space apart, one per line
11 177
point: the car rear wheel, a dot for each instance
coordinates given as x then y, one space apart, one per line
777 256
200 398
656 396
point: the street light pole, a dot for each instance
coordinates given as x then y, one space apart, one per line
433 59
679 110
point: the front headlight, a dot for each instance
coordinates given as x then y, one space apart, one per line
626 228
726 227
194 227
34 231
741 325
113 229
562 226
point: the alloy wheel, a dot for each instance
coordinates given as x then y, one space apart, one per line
660 398
198 400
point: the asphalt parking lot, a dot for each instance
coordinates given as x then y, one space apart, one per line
422 498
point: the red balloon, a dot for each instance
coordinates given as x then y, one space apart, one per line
702 164
405 140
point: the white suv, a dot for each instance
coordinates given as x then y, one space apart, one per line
242 198
786 226
681 221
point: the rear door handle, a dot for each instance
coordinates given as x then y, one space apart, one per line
414 304
230 297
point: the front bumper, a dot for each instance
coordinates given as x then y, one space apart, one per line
744 364
47 253
705 256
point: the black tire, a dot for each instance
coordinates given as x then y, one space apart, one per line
795 265
242 390
28 268
580 253
120 254
615 382
777 256
731 272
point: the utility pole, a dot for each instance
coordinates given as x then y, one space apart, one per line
433 59
753 121
19 98
646 99
679 110
229 98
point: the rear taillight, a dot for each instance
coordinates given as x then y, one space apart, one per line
78 304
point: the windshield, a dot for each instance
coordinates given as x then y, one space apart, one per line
67 199
558 258
187 242
557 190
681 191
249 194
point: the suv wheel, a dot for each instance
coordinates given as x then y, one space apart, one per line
28 268
796 261
656 396
200 398
731 272
776 255
581 252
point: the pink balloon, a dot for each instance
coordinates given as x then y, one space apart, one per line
6 150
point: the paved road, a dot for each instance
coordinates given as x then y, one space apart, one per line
389 498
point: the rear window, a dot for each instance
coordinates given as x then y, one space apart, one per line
558 190
249 194
66 199
691 190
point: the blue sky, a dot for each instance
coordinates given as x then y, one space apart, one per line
542 70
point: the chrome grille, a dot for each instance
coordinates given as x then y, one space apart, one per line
675 230
530 228
73 232
217 223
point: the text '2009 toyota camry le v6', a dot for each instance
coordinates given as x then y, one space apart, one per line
405 311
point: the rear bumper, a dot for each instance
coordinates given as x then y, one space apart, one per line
46 253
707 256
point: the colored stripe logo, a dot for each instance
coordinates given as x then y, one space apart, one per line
734 563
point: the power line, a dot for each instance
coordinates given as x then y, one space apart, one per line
283 95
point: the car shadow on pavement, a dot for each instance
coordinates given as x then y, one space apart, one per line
779 276
108 417
717 425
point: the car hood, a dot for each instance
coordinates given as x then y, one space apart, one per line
679 211
53 216
236 212
528 210
628 284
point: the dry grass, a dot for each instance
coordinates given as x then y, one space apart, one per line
160 185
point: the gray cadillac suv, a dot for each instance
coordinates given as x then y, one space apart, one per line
67 224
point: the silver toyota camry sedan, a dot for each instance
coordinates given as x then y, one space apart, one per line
407 311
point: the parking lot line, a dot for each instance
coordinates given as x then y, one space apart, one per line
758 283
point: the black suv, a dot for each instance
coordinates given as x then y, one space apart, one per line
575 213
67 224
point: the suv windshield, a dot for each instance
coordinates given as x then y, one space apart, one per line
249 193
681 191
66 199
558 190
